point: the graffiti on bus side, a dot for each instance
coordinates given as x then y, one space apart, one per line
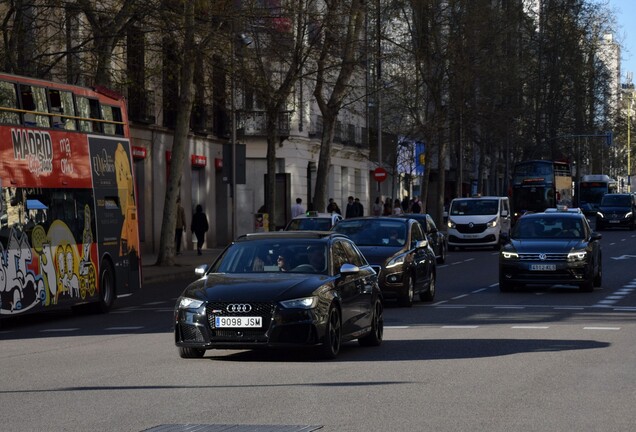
47 269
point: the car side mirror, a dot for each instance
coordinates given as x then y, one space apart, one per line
596 236
200 270
504 213
420 244
349 269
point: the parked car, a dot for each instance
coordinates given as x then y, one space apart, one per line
436 238
400 253
281 289
551 248
313 221
616 210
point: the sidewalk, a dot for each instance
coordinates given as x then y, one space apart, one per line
185 265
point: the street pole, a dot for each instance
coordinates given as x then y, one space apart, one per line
629 146
233 114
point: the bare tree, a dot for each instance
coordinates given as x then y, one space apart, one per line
343 23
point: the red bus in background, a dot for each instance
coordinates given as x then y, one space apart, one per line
68 214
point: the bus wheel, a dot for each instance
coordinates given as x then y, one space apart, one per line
106 287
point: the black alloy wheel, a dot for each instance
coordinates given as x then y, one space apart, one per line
406 298
331 344
374 337
429 294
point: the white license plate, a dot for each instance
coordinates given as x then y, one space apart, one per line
238 322
470 236
543 267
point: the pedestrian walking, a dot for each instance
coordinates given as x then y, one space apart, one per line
297 209
199 226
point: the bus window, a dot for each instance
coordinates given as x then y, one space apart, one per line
34 99
88 108
62 103
9 100
113 114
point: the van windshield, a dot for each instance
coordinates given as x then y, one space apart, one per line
469 207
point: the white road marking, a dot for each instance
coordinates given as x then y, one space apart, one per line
602 328
459 296
124 328
66 330
529 327
460 327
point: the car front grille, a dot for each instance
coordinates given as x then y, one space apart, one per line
543 257
467 229
262 309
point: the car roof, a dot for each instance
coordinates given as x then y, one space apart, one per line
386 218
554 215
279 235
310 214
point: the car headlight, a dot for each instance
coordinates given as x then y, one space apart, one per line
628 215
398 260
451 224
509 255
492 223
599 214
577 255
301 303
189 303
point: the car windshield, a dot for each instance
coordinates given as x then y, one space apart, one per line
374 232
616 201
274 255
548 228
310 224
471 207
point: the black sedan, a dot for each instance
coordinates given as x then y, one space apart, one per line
398 250
436 238
552 248
282 289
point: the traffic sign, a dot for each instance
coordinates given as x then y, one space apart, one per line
379 174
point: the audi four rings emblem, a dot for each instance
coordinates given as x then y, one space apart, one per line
542 256
239 307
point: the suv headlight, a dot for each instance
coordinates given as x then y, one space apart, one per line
509 255
189 303
398 260
451 224
628 215
301 303
492 223
577 255
599 214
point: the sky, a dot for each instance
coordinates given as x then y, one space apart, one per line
625 11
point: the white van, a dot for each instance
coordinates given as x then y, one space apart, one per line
478 221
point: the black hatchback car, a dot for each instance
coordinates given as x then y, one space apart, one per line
282 289
551 248
436 238
616 210
400 253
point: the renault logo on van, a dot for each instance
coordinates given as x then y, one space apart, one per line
471 225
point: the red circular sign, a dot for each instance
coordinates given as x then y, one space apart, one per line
379 174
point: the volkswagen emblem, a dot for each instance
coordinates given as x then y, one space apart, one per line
239 308
542 256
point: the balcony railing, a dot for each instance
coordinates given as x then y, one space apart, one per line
254 123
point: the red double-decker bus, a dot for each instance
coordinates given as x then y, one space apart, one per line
68 215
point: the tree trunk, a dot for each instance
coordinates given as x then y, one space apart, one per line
179 146
272 142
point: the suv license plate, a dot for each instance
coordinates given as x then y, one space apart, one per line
238 322
543 267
